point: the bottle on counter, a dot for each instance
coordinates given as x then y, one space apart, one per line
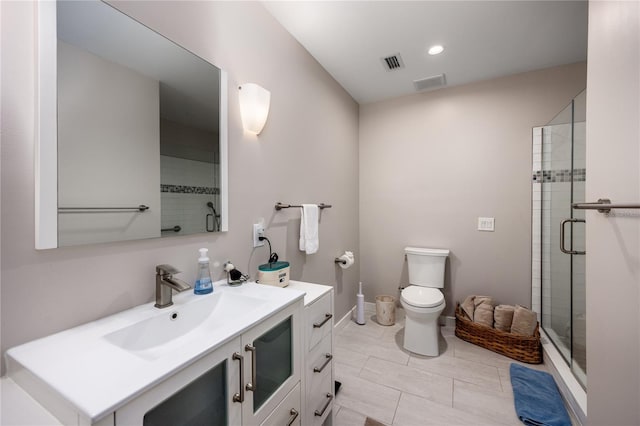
203 282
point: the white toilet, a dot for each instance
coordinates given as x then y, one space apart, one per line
422 300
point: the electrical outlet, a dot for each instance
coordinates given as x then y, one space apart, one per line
486 224
258 231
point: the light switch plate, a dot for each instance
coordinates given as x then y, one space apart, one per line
486 224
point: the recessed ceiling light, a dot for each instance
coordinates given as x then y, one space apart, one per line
434 50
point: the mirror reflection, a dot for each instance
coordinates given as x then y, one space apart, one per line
139 150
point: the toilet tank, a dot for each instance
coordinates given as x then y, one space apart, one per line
426 266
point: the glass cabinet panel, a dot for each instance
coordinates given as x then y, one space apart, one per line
201 402
274 361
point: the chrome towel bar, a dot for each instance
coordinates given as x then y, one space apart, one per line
603 205
173 228
140 208
280 206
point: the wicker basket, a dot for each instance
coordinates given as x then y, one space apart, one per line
522 348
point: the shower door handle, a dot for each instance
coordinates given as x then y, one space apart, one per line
562 226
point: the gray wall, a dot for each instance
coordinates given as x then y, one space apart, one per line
308 152
432 163
613 243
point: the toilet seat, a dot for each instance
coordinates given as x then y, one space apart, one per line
422 297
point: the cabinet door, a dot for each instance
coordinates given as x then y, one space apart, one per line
272 363
288 412
202 393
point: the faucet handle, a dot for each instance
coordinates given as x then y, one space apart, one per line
165 269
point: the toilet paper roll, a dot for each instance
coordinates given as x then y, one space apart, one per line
346 260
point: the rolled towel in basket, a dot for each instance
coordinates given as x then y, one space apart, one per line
468 307
483 313
479 300
503 317
524 321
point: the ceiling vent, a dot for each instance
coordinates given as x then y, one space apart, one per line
392 62
430 82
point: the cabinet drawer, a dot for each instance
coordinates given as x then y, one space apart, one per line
319 364
320 402
319 320
287 413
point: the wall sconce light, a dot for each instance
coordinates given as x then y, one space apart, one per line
254 106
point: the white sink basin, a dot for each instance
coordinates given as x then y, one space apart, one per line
91 370
156 336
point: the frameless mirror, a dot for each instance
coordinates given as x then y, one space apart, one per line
132 136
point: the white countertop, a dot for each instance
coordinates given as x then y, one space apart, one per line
97 377
312 291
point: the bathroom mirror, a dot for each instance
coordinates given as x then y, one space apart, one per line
132 136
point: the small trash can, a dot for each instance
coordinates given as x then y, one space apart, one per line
386 310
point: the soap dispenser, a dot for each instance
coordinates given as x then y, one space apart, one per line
203 283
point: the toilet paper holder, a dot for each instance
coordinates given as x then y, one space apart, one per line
345 260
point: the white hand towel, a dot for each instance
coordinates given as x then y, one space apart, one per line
309 240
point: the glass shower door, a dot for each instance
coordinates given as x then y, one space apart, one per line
578 297
563 237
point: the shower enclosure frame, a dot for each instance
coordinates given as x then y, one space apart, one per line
558 240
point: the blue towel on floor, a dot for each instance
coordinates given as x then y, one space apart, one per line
537 399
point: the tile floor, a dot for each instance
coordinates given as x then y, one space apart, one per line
465 385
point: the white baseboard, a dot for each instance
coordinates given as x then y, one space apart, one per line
342 323
447 321
370 308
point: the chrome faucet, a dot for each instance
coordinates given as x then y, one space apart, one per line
166 283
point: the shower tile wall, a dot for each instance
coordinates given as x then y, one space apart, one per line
187 186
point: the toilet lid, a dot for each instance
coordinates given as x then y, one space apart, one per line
422 297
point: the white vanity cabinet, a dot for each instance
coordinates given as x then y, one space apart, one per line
252 378
238 356
318 375
202 393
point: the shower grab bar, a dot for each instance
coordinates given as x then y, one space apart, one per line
140 208
280 206
562 248
603 205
